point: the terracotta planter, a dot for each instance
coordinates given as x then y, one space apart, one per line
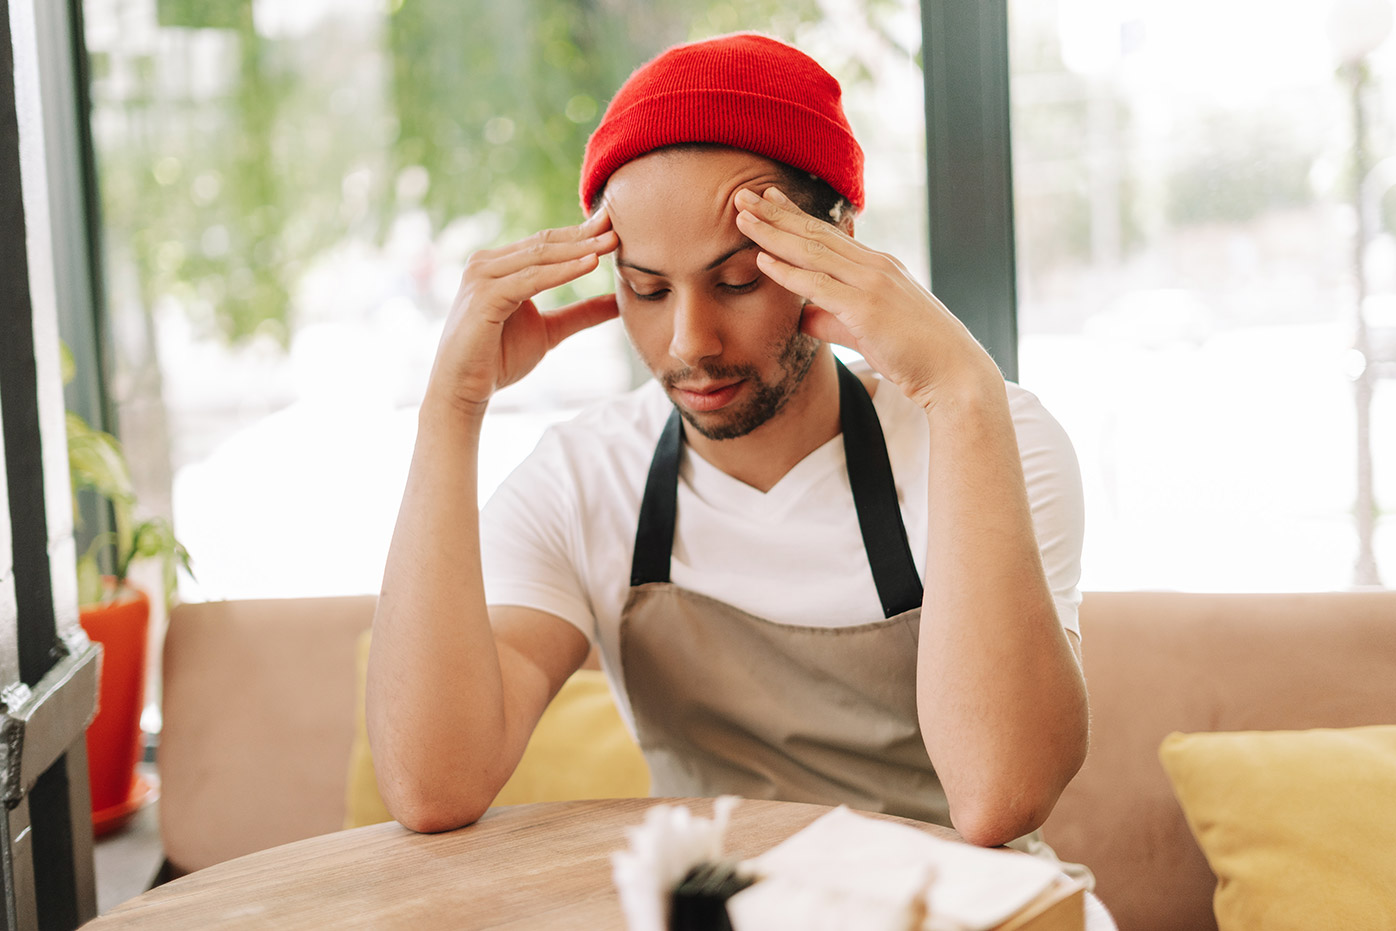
114 736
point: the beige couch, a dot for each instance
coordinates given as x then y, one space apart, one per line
259 722
1162 662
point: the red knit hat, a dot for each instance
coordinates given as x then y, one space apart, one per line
747 91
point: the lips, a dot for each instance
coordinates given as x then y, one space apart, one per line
707 397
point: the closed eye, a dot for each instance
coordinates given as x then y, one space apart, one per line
650 295
742 288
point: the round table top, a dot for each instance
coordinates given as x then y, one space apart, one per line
526 866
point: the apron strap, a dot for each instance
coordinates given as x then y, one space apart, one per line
875 498
869 475
654 535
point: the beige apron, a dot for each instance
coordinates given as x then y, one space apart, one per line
725 702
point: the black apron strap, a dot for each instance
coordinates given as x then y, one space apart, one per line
874 498
654 536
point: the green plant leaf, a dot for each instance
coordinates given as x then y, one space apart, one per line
154 539
97 462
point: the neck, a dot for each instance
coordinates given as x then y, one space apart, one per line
807 421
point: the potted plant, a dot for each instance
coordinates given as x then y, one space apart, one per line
116 614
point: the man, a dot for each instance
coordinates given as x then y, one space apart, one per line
745 538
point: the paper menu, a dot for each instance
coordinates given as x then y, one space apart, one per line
849 871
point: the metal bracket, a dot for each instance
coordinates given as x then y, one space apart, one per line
53 714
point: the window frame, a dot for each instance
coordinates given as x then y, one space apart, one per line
969 170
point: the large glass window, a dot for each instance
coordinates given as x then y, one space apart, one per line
1194 305
290 191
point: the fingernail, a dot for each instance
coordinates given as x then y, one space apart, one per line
746 195
775 194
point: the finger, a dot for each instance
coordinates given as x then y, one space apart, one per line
824 326
573 318
814 285
775 208
800 250
505 260
545 248
532 280
598 222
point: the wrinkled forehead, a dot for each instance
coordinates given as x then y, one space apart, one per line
673 199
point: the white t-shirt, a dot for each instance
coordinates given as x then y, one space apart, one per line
559 533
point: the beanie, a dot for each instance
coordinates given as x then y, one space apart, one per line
745 90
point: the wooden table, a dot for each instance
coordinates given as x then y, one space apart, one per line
520 867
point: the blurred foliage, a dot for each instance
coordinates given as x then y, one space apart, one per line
495 101
232 156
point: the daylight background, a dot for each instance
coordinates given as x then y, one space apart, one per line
289 193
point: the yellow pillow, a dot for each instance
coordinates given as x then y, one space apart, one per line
580 749
1299 826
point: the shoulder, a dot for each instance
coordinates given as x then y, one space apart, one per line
1038 431
1043 443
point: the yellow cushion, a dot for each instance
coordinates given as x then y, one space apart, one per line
580 749
1299 826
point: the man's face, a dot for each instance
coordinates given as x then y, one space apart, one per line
722 339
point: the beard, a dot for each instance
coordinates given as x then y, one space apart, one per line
795 355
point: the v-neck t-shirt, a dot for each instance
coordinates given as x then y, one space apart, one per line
559 533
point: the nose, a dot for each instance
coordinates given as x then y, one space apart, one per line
695 335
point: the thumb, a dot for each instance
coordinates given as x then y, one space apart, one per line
822 325
573 318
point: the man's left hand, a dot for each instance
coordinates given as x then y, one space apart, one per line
863 299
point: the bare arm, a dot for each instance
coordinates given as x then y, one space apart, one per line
455 690
1001 698
1000 692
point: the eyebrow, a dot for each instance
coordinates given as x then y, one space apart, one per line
746 244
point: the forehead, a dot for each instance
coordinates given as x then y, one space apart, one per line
676 205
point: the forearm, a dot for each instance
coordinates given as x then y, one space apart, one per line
452 697
436 705
1001 698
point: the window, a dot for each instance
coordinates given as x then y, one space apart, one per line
1188 300
290 192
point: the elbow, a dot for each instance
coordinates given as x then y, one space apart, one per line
430 813
1018 805
429 797
430 792
995 824
427 819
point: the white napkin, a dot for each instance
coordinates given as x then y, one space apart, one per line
846 871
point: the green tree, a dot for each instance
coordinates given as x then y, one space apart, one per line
495 101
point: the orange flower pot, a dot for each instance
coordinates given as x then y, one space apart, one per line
114 736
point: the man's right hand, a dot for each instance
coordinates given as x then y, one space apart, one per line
494 334
451 699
